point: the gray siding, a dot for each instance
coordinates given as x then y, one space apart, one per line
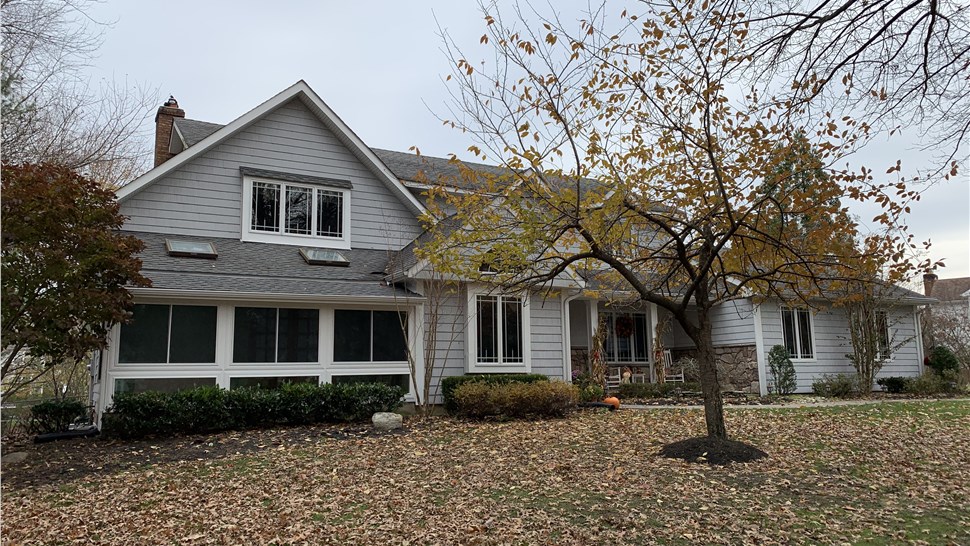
450 357
203 197
545 316
832 343
733 324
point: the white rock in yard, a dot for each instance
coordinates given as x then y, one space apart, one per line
387 421
16 457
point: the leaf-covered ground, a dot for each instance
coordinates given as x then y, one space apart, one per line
875 474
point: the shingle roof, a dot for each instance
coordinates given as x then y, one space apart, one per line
193 130
406 166
950 289
264 268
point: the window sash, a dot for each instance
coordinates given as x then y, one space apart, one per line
261 336
500 329
797 333
293 209
169 334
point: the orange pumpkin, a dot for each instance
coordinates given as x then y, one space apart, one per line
613 401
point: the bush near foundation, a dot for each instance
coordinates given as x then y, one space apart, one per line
212 409
56 415
479 400
449 384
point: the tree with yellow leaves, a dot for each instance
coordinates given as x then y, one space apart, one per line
634 159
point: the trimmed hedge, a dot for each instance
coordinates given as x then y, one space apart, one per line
449 384
212 409
56 415
478 400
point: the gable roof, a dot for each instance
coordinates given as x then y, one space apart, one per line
950 289
301 91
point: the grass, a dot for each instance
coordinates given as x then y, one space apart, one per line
883 473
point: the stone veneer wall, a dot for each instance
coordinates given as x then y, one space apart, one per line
580 359
737 366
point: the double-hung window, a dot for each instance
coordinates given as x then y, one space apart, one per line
283 211
796 325
499 326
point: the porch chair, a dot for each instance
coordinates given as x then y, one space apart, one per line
613 378
670 374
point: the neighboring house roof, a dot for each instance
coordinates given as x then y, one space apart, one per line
299 91
951 289
264 268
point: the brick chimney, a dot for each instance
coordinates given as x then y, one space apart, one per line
929 279
164 124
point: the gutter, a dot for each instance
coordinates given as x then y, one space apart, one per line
268 296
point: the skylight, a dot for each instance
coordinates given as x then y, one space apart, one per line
190 249
322 256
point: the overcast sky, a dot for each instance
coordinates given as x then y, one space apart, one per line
379 65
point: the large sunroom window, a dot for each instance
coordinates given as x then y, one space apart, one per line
268 334
369 336
176 334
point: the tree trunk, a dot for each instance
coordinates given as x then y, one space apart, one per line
710 385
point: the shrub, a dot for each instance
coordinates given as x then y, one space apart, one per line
449 384
56 415
930 383
591 393
836 385
894 385
646 390
941 359
784 379
211 409
514 400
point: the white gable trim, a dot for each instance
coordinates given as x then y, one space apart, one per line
298 90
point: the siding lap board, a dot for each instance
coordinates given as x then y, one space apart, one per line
204 196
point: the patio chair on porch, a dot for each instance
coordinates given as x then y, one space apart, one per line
672 375
613 378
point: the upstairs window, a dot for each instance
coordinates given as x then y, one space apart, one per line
286 212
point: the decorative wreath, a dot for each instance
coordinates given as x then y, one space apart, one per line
624 326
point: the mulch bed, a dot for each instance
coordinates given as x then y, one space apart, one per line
65 460
712 451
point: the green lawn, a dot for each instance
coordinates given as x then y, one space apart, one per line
871 474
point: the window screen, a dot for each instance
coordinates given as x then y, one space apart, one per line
254 335
145 338
351 335
193 336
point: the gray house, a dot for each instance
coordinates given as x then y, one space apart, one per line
280 248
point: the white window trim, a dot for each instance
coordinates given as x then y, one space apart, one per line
811 327
473 365
249 235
